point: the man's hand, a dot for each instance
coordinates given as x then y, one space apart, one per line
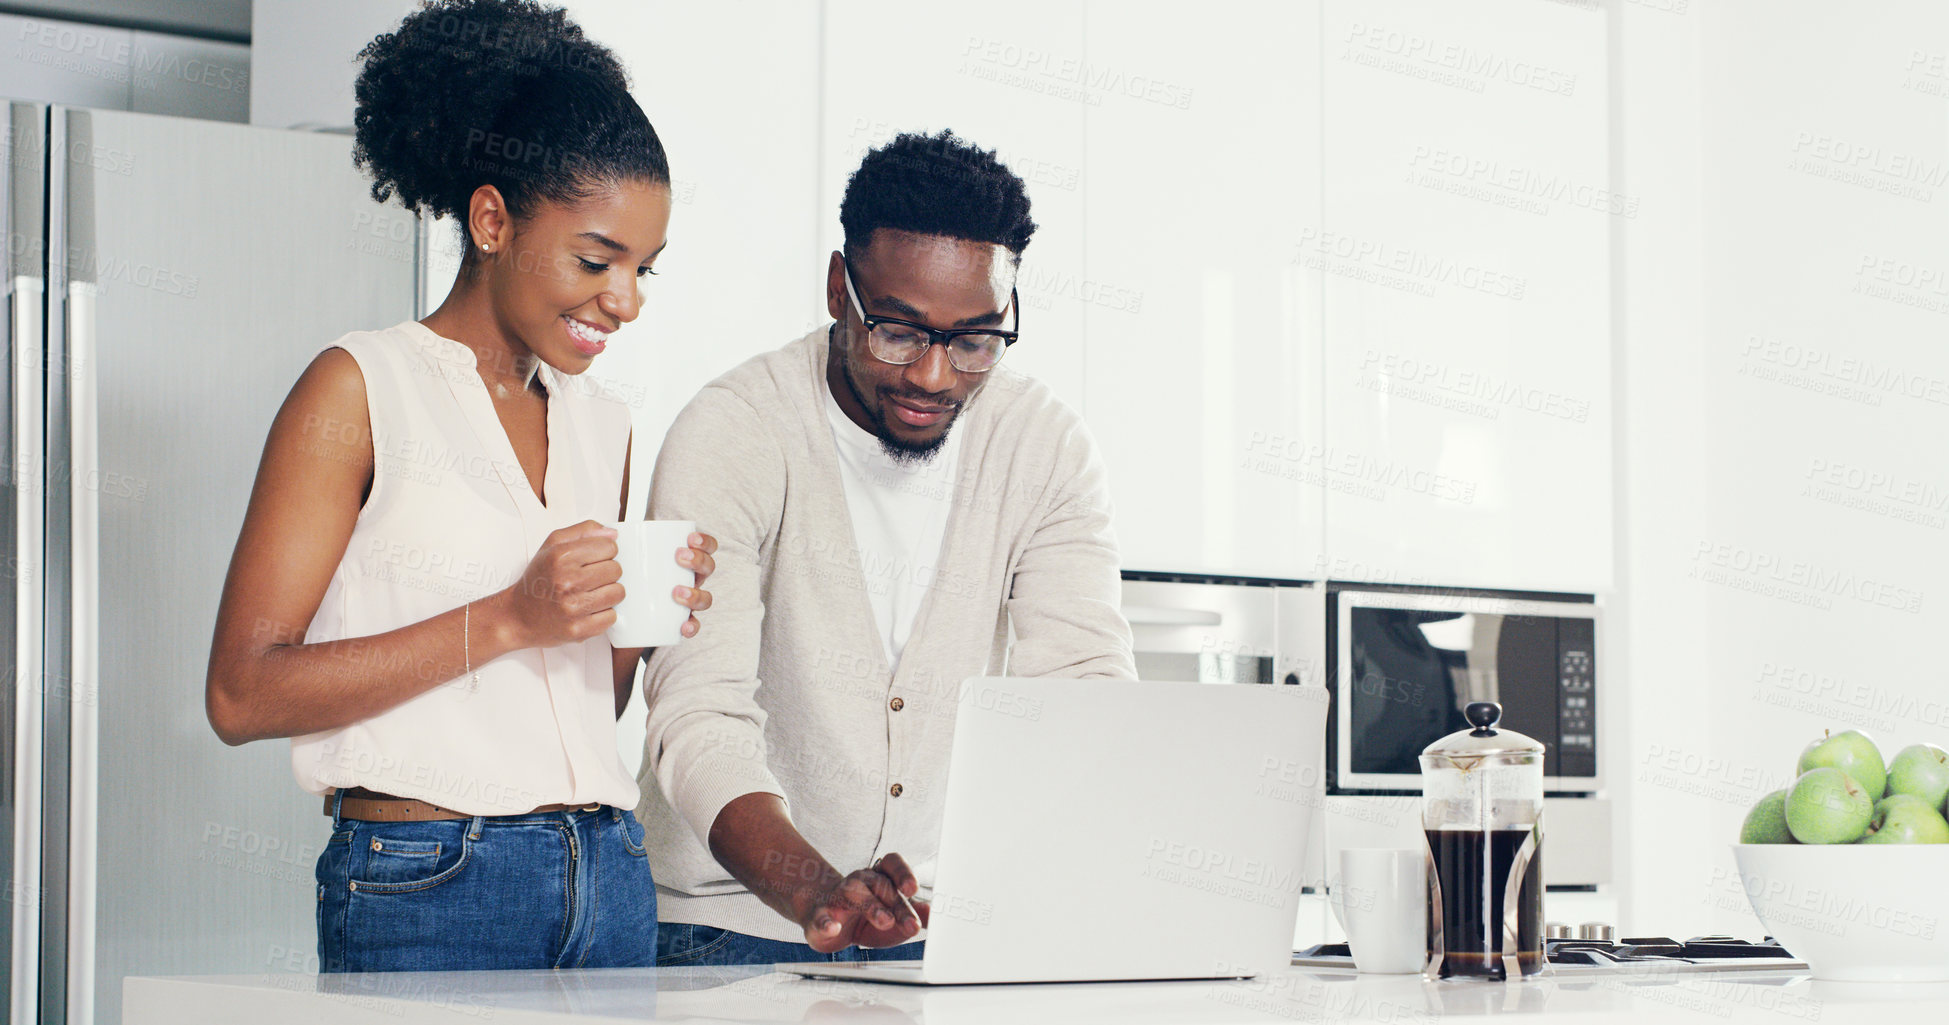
867 908
756 842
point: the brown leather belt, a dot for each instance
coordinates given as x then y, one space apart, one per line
371 806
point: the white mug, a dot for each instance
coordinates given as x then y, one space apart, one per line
648 616
1380 897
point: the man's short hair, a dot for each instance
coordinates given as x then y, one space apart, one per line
936 185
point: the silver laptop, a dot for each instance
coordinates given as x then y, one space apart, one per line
1115 830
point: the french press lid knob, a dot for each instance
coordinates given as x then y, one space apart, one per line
1483 740
1483 715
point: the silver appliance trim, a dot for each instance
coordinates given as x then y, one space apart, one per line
27 291
1437 930
1512 901
27 296
84 724
1342 683
1150 615
57 841
76 333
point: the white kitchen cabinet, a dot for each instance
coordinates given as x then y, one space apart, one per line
1202 173
1465 243
1339 272
993 74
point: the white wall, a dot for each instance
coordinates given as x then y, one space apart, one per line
1791 161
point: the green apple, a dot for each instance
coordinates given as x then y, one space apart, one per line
1853 753
1767 822
1905 818
1826 805
1921 770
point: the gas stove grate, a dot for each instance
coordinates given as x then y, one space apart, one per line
1661 948
1706 952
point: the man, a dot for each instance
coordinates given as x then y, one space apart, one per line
890 505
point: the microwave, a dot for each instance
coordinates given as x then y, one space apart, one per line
1404 661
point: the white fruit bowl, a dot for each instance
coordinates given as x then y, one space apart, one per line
1854 913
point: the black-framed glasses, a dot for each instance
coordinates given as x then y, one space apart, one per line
971 350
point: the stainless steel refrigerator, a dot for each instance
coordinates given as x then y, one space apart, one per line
168 280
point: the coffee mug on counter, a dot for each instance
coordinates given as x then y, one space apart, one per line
648 616
1380 897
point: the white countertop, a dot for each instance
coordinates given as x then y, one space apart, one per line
761 995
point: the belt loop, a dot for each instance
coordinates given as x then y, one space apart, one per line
474 827
338 799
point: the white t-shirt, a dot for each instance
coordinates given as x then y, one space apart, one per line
899 512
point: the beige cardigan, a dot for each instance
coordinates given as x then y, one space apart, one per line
786 690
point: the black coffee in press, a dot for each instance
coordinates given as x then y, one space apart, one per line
1473 868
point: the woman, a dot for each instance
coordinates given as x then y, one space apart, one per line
419 593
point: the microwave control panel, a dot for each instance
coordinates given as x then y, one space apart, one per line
1576 697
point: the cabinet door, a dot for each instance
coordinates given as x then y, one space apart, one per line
1465 248
998 75
1202 176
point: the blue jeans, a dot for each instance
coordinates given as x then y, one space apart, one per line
679 945
555 890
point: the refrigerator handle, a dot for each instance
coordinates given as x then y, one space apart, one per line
71 589
24 323
84 660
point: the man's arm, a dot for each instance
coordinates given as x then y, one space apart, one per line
705 738
756 842
1065 596
721 467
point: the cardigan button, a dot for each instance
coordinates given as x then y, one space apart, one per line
894 790
896 704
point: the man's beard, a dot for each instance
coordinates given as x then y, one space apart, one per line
900 450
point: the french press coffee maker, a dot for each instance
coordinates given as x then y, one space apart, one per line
1482 811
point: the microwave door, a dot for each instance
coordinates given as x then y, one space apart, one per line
1404 665
1402 692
